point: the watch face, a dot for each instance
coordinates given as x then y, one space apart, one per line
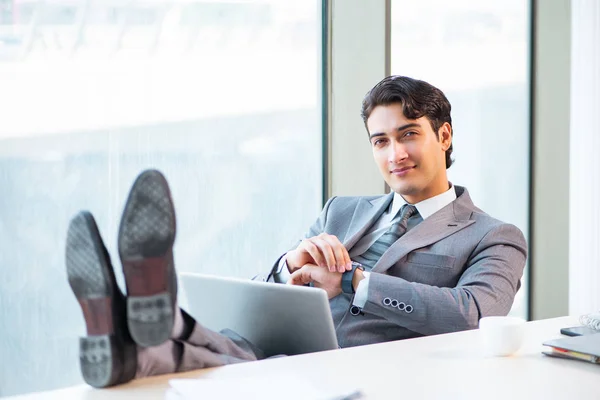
357 265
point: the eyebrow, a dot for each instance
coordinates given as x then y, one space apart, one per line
399 129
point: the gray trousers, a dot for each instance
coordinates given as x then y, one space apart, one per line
202 348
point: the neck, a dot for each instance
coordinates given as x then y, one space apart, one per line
428 193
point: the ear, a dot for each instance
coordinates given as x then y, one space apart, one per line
445 135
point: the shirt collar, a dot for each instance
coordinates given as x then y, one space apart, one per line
428 206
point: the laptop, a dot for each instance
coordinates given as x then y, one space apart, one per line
277 318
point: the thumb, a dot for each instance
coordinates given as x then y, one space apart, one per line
301 276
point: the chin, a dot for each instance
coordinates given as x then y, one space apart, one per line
406 189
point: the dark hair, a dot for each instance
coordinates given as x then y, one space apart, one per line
418 99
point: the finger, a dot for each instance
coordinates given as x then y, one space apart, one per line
294 278
342 258
325 252
301 276
313 250
347 259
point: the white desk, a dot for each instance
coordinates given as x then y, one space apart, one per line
443 366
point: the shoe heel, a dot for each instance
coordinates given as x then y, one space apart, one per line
100 361
150 318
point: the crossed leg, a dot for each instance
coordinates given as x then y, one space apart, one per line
195 349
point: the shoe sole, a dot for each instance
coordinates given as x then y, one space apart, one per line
100 355
146 237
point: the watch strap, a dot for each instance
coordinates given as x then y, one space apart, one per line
347 278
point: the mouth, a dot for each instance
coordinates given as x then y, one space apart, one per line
401 171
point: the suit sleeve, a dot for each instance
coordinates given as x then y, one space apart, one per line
487 287
315 229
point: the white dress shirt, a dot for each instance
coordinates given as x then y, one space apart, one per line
426 208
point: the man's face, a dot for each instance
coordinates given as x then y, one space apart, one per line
408 153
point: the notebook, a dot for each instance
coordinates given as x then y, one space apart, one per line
584 348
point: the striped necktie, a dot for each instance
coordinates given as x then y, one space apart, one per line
370 257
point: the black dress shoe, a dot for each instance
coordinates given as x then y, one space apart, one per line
146 237
108 354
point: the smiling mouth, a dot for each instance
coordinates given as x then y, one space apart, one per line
401 171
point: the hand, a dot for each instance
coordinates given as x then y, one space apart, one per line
324 250
322 278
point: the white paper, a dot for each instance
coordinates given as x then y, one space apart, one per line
264 388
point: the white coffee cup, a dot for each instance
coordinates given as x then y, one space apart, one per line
501 336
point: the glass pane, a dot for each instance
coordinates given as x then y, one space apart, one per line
477 53
223 96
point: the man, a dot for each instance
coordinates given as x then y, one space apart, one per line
422 260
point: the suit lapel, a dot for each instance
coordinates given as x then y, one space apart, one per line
447 221
365 215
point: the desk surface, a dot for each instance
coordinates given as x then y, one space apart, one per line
442 366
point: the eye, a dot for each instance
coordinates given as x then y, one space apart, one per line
410 133
378 142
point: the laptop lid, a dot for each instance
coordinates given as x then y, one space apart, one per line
277 318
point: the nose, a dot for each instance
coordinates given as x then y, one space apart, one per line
397 153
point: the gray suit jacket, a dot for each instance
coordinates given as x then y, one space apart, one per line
453 268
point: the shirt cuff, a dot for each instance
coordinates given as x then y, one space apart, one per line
362 291
282 274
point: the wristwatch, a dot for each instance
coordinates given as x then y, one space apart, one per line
347 278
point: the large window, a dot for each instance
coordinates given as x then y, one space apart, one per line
477 52
223 96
